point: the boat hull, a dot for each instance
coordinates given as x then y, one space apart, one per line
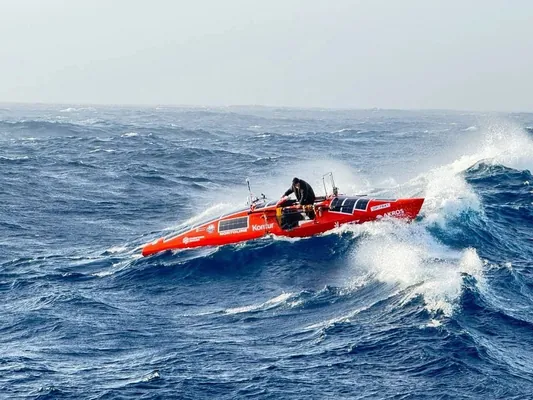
290 220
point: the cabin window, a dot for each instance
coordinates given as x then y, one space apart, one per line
232 224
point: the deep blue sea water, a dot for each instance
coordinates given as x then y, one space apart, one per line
439 308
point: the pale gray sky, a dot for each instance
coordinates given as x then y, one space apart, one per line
454 54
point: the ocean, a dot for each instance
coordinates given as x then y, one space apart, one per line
440 308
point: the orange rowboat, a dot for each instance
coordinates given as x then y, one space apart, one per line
287 218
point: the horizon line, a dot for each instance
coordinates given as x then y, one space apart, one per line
322 108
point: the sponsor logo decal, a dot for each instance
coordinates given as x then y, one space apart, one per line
262 227
193 239
380 207
240 230
395 213
211 228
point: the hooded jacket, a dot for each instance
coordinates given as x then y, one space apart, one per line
304 195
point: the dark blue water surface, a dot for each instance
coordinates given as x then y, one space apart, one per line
440 308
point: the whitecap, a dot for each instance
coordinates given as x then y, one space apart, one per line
117 249
408 256
14 158
74 109
269 304
433 323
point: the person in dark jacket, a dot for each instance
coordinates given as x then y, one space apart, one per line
305 196
302 190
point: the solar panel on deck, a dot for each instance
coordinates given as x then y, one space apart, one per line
234 223
347 206
344 205
336 204
361 204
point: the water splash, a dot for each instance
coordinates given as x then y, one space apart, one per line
408 257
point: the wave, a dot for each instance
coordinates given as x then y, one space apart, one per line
275 302
130 134
14 159
74 109
409 257
39 128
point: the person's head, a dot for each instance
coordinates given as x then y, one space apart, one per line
296 182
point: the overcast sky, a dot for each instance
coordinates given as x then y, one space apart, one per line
412 54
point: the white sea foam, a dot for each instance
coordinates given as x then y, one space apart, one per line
117 249
330 322
269 304
130 134
444 187
103 274
434 323
151 376
119 266
508 144
345 130
500 142
336 320
74 109
287 238
89 121
408 256
98 150
447 194
14 158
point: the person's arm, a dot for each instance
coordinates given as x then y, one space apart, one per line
284 198
288 192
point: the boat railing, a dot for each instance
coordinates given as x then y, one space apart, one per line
334 189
